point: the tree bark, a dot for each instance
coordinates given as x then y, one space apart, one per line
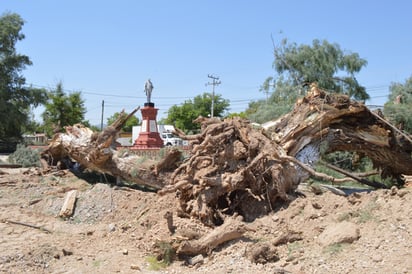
332 122
95 151
235 168
232 229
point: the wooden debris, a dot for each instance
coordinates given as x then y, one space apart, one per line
27 225
232 229
235 168
94 151
68 204
169 218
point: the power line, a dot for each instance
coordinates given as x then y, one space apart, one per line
117 94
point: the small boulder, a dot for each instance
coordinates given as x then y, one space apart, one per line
343 232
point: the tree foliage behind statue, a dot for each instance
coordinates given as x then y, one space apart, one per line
399 107
128 125
16 99
182 116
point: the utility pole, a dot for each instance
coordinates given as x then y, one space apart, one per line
214 83
101 124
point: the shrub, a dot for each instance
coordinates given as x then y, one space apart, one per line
25 156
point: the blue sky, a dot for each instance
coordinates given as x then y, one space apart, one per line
108 49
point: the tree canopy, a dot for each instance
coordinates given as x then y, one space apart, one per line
327 64
182 116
399 107
128 126
280 102
62 110
296 67
16 98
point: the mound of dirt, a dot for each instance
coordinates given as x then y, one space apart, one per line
117 229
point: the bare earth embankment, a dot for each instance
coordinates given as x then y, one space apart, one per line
119 230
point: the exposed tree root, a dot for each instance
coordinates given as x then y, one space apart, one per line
236 168
232 229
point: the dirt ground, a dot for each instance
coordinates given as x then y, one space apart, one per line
116 229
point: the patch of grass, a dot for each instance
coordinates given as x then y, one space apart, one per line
292 248
260 240
154 264
97 263
366 214
167 252
134 172
345 216
165 256
161 154
141 160
334 248
363 215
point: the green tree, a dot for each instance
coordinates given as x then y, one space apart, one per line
322 62
62 110
128 126
297 67
16 99
182 116
399 107
280 102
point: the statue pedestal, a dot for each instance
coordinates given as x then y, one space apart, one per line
149 137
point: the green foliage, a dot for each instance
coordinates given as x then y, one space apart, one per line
293 247
355 163
362 215
166 254
335 248
280 102
25 156
154 264
322 62
62 110
237 114
128 126
399 107
182 116
15 98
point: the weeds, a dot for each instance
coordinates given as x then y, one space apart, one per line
25 156
292 248
334 248
165 257
97 263
154 264
364 214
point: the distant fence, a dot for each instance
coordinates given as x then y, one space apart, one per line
157 153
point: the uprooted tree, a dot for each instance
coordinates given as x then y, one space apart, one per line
236 168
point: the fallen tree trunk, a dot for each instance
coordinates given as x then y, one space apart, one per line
95 151
236 168
332 122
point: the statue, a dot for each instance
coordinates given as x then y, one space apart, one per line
148 87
